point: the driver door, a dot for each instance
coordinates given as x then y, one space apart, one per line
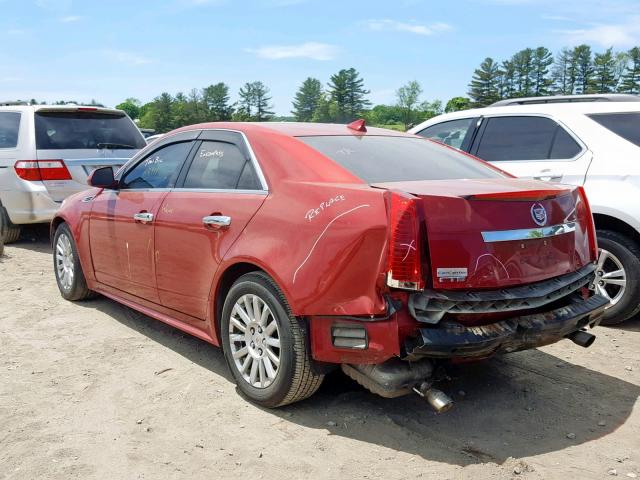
122 221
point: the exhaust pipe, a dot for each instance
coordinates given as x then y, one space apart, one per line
582 338
438 400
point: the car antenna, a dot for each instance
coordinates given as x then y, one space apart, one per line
358 125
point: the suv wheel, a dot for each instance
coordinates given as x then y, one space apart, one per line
618 276
67 268
11 232
265 346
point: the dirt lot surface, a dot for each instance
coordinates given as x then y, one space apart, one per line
94 390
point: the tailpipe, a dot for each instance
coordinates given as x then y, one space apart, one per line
582 338
439 401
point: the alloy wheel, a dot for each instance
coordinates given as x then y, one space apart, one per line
255 341
64 261
611 278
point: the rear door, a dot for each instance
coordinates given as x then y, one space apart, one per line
122 221
532 146
84 138
216 196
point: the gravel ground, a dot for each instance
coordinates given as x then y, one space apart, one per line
94 390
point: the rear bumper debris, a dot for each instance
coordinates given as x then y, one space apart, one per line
450 339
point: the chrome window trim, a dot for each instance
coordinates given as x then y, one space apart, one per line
528 233
221 190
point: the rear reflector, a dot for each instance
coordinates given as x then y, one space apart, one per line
36 170
405 261
347 336
590 225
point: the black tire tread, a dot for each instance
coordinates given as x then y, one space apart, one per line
11 231
81 291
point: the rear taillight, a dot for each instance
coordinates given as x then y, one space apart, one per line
35 170
590 225
405 260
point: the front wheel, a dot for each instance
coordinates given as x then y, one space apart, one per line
67 268
618 276
264 345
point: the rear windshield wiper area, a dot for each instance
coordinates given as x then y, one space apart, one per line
114 145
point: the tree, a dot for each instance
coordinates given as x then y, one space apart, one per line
563 73
506 83
216 100
327 110
542 60
131 106
407 99
456 104
307 100
346 89
604 76
584 68
254 102
159 114
483 88
523 68
630 81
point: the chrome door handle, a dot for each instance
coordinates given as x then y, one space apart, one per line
547 176
143 217
217 221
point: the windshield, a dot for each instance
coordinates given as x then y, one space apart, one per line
77 130
377 159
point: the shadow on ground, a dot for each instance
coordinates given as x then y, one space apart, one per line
32 237
520 405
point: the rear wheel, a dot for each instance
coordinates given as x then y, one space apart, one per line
11 232
618 276
66 264
264 345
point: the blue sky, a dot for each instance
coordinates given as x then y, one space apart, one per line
113 49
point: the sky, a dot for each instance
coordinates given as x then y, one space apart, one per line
113 49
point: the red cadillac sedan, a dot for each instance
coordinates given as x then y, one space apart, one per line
301 247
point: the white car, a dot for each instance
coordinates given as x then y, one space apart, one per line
47 153
595 144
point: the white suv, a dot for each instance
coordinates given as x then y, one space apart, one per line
595 144
47 153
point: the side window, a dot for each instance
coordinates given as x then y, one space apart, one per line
221 165
451 133
158 170
564 146
517 138
625 125
9 127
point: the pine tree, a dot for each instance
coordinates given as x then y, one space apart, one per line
630 82
604 76
542 60
346 90
507 86
584 68
262 102
523 65
483 88
563 73
216 99
307 100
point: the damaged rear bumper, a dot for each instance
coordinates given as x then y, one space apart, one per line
449 339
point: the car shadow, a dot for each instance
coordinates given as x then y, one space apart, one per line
520 405
32 237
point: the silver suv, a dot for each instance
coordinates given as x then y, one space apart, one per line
47 153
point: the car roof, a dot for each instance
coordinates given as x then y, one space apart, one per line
295 129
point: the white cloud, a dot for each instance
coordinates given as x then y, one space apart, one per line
624 35
416 28
128 58
70 18
312 50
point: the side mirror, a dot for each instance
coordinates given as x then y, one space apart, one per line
102 178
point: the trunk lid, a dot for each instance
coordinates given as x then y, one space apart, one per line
494 233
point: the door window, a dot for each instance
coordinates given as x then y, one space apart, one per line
525 138
9 126
158 170
451 133
221 165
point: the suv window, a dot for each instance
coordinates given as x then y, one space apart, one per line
395 159
77 130
9 127
525 138
221 165
451 133
625 125
158 170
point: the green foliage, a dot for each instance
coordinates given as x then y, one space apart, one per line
307 100
254 104
346 90
484 86
456 104
131 106
408 97
630 81
605 79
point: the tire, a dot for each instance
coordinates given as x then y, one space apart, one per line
293 378
66 266
11 231
618 249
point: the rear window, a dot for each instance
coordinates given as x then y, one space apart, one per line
78 130
626 125
9 127
396 159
